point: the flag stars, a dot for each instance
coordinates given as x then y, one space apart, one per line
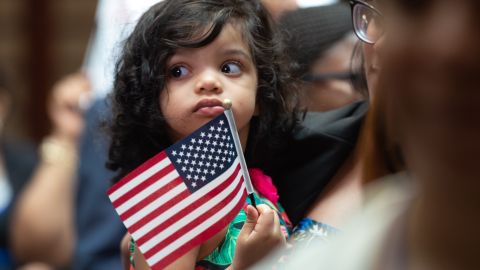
221 166
225 130
209 135
212 172
189 155
184 169
184 147
205 149
181 154
194 184
174 153
221 122
200 141
205 171
203 178
219 129
203 156
193 141
190 147
210 157
179 161
198 149
202 134
196 178
189 177
212 128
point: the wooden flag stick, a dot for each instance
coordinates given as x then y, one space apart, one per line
227 105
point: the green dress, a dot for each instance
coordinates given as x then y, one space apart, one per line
222 256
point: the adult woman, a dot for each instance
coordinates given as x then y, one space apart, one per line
425 121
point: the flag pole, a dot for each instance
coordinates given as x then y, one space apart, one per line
227 105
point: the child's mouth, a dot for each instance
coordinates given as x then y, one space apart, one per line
209 107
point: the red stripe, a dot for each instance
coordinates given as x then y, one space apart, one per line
144 185
152 197
196 222
147 164
187 210
161 209
201 238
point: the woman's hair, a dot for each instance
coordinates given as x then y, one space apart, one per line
357 68
138 128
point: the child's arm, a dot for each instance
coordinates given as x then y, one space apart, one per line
259 236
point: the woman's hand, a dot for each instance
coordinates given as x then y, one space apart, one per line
260 234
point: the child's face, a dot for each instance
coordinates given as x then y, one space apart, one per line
201 78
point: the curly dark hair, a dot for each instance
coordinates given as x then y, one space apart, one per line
138 128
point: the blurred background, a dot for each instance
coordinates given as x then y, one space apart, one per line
41 41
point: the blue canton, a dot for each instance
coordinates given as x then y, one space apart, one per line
205 154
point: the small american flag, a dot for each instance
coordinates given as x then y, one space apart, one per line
184 195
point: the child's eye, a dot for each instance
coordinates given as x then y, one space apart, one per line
232 68
179 71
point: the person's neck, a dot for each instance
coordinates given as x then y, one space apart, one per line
444 227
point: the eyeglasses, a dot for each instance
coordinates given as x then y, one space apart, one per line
367 21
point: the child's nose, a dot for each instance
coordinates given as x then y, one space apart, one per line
208 82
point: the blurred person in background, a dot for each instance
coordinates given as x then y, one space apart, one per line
424 122
320 188
17 162
43 216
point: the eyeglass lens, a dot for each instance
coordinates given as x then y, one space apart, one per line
367 23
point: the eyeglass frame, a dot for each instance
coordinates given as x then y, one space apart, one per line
354 3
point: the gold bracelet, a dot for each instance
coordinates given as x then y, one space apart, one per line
58 153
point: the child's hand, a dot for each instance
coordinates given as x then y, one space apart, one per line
260 234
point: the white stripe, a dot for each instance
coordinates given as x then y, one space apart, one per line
139 179
184 203
155 204
147 191
184 221
196 231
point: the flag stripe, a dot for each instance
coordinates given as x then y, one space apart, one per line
190 200
147 192
144 185
212 221
193 211
174 191
162 263
139 175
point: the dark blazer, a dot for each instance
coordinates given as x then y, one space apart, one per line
99 230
